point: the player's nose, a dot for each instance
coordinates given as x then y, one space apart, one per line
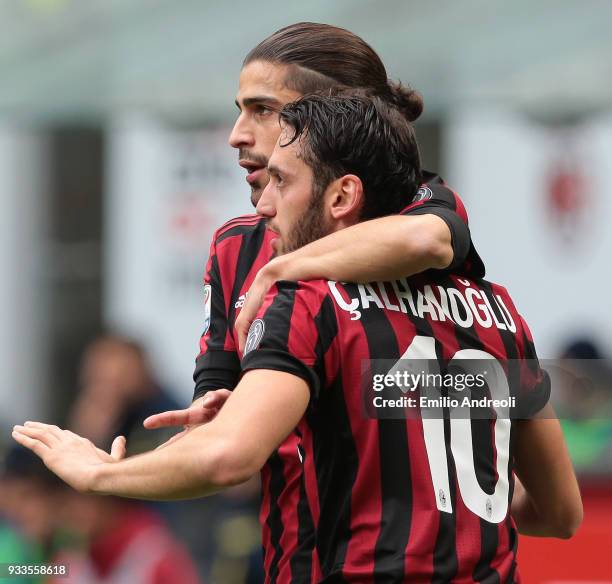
265 205
241 136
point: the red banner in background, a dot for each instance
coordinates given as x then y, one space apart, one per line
584 559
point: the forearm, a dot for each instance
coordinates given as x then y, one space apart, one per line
381 249
547 501
184 469
528 520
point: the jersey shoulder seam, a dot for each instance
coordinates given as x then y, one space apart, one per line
239 224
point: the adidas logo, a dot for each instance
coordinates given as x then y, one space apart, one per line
241 300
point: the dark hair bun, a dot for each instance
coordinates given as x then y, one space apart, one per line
407 100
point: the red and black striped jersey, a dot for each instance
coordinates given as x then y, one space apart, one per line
239 249
404 499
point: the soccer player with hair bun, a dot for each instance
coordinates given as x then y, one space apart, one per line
404 499
430 232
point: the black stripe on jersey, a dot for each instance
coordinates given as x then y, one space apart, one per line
301 562
332 439
242 227
244 221
280 328
327 328
218 321
275 519
513 547
395 479
252 240
216 368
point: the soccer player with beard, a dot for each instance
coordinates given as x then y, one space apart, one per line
431 232
392 500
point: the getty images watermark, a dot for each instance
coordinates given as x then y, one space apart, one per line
475 385
462 385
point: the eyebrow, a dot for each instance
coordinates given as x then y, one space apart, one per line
259 99
274 170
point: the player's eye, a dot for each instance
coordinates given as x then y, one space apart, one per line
263 110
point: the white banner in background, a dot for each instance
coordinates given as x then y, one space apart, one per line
24 391
168 191
540 207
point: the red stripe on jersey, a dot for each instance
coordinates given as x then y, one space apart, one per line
425 515
203 343
366 494
225 252
460 207
231 247
468 538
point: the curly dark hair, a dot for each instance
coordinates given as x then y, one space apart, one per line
354 132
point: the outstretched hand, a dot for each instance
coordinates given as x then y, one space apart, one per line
71 457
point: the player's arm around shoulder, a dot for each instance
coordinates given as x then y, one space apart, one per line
430 233
377 250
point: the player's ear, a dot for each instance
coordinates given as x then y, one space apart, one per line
345 197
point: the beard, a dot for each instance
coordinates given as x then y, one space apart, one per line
309 227
256 191
258 186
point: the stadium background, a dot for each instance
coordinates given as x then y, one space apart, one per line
115 170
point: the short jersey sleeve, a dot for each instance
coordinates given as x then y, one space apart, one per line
217 364
535 381
434 197
295 332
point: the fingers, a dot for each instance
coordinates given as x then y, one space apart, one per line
36 446
118 448
213 400
49 428
48 435
242 328
201 411
167 419
245 318
252 304
201 416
